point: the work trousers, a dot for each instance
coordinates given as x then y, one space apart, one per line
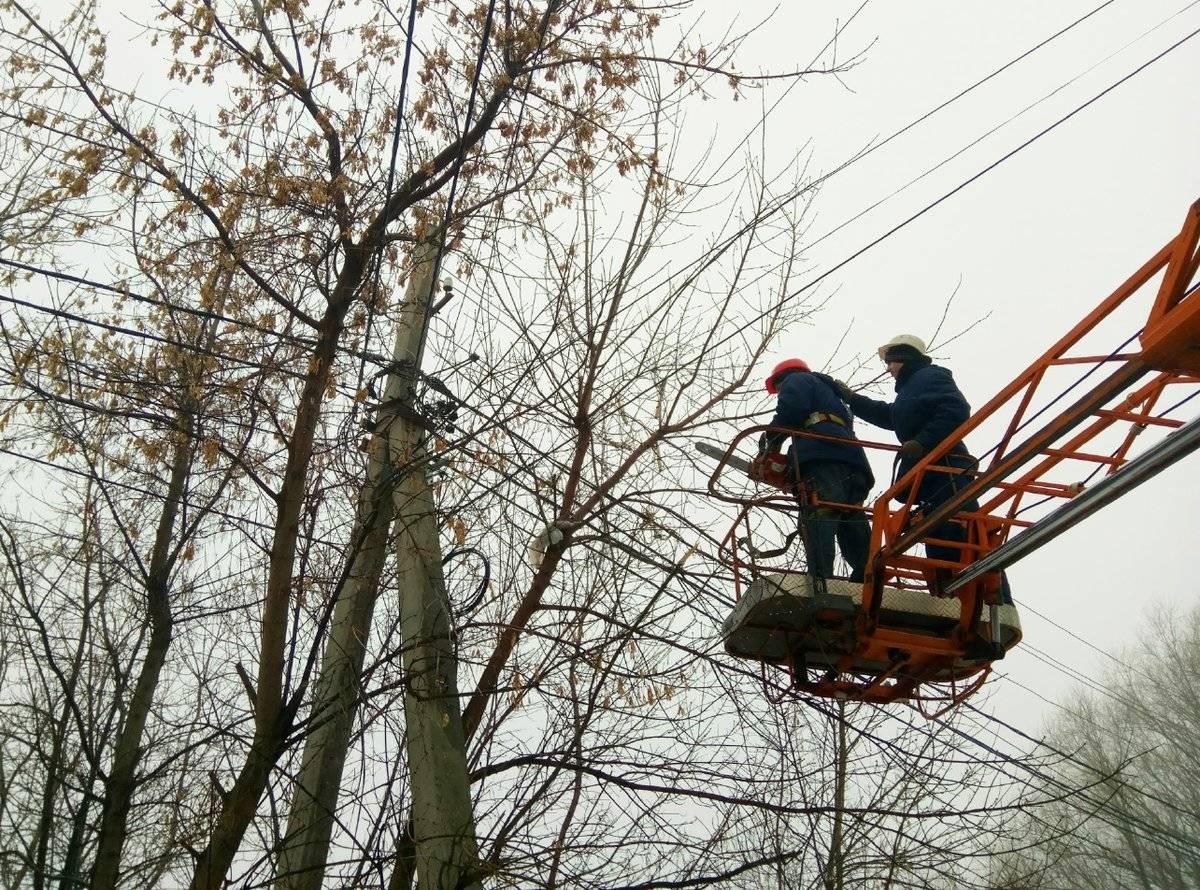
933 495
820 526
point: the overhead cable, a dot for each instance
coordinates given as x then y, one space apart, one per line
387 191
994 128
907 221
946 103
1042 743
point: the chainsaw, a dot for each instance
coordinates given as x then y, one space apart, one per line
768 468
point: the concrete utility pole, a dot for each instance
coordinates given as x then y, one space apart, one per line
396 490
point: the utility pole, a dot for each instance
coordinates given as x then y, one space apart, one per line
395 490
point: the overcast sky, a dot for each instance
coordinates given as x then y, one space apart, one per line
1036 243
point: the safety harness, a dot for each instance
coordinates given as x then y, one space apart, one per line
820 417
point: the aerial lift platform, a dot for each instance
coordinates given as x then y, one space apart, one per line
1062 455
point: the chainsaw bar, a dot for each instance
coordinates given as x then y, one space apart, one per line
719 453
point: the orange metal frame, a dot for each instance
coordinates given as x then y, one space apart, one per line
1167 347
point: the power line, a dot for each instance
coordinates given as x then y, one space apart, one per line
992 166
1024 605
1192 814
125 293
1070 795
990 76
391 175
955 190
143 335
931 112
1066 756
1000 125
1179 845
1078 676
1156 834
94 476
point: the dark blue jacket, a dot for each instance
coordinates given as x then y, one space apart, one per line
802 394
929 406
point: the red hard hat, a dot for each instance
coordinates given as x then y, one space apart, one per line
791 364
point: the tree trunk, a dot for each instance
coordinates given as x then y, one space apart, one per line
273 713
335 699
118 789
237 810
835 873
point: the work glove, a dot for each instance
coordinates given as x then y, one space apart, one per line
770 443
758 466
912 450
843 391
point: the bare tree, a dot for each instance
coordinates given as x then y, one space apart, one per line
277 190
284 689
1130 737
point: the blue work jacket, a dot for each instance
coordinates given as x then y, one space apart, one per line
803 398
929 406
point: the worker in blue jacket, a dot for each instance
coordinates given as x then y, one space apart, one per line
928 407
836 471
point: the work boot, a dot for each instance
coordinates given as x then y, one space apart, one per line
941 579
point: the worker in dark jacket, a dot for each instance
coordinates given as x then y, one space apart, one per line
929 406
836 471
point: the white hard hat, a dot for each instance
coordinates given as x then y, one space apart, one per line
903 340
